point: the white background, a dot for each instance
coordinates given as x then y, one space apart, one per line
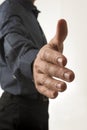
69 110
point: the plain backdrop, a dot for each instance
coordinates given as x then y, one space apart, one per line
69 110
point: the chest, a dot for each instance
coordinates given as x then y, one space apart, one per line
34 31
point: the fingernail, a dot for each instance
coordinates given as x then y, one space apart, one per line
66 75
69 76
61 87
60 60
58 86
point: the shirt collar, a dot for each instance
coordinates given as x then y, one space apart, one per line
28 5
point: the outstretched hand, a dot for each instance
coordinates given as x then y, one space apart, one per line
50 63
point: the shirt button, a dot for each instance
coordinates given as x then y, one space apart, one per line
14 77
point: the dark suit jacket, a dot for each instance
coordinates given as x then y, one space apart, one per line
21 38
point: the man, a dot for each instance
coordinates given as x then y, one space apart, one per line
28 66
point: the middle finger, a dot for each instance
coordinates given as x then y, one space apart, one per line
57 71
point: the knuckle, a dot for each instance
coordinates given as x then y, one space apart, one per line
46 67
42 52
44 80
59 72
53 70
45 54
37 66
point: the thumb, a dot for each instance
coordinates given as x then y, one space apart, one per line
61 33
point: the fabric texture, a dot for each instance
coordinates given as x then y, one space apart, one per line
21 39
22 113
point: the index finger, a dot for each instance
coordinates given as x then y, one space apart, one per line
54 57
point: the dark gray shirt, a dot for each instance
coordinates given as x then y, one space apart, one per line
21 37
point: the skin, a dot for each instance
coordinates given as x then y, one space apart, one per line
50 63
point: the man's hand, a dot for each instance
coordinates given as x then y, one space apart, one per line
50 63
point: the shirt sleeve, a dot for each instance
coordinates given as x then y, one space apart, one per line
20 52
